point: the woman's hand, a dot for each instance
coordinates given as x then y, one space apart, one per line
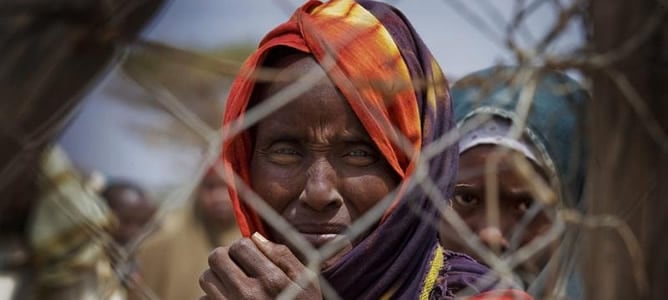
254 268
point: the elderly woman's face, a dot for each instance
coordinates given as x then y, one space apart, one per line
315 164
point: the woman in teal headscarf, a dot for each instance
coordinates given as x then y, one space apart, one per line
489 108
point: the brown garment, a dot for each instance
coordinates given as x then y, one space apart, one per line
172 260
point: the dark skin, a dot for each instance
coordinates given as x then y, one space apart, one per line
213 202
315 165
515 200
132 209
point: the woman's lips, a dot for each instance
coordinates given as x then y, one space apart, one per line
319 239
320 234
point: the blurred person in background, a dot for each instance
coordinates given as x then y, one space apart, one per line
53 224
66 232
172 259
133 211
132 208
553 145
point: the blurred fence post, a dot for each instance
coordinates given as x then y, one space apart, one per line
628 168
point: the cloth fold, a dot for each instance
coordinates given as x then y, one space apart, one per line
399 93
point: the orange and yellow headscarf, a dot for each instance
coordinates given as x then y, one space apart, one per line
398 92
368 63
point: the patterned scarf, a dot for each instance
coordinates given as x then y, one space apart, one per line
554 128
396 89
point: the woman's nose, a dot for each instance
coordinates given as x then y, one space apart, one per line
493 237
320 192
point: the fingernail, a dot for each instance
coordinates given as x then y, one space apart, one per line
259 238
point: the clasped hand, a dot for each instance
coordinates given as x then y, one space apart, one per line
254 268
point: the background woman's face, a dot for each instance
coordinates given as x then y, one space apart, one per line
133 211
213 201
315 164
515 200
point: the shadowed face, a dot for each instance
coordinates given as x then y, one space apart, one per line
515 201
314 162
214 201
133 211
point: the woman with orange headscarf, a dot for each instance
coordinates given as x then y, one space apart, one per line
374 98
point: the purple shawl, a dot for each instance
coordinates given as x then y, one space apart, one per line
396 255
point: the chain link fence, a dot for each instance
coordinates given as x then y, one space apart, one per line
183 92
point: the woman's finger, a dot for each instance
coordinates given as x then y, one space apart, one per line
232 281
258 266
282 257
251 259
211 286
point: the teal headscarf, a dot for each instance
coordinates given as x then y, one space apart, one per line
555 128
554 125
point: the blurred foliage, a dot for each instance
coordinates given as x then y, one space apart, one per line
170 79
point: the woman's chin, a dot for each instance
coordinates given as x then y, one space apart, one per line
319 243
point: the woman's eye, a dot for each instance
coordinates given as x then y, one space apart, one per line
359 153
284 155
466 201
285 151
360 157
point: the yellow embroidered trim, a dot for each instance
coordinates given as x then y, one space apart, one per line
430 279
